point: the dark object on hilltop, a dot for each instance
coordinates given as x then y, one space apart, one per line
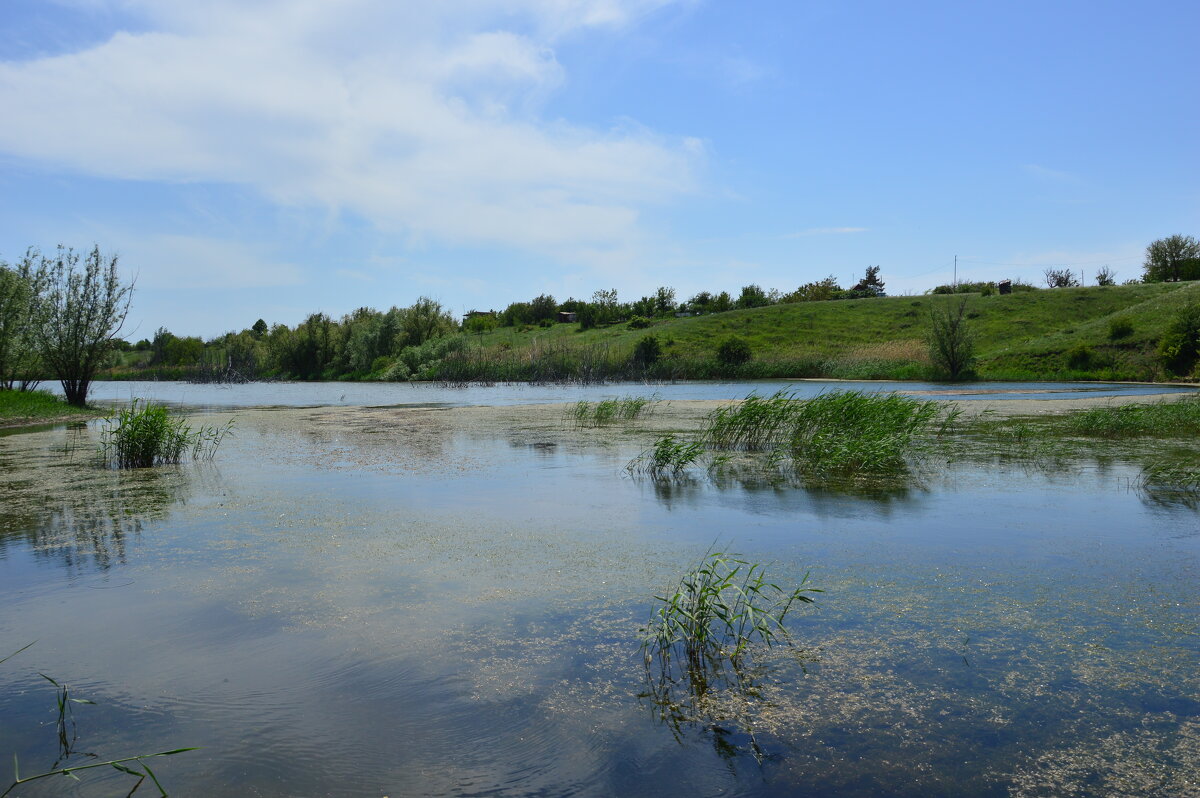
1005 287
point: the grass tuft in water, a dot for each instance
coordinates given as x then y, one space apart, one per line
1167 419
669 457
607 411
149 435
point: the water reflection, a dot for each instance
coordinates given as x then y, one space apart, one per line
88 520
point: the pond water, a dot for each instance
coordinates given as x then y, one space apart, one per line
388 394
339 607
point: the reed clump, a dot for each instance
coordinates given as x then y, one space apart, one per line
1165 419
607 411
835 433
669 457
144 435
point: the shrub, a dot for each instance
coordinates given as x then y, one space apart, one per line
951 342
639 323
647 351
1179 348
734 351
1079 357
1061 278
140 437
1120 328
1106 276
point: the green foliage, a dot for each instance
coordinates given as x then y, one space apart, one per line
669 457
1080 357
1120 327
982 288
734 351
149 435
1061 278
950 339
32 406
81 312
647 351
422 362
639 323
1172 259
752 296
869 286
1106 277
756 424
1179 348
820 291
1163 419
708 623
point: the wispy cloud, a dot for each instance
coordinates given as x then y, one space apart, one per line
1050 175
825 231
420 117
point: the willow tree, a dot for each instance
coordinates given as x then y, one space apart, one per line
83 309
950 339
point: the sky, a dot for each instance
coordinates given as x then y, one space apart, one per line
269 159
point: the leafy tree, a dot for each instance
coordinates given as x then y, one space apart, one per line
1106 276
721 303
543 308
84 310
426 319
664 301
869 286
605 303
479 323
1172 259
21 310
951 341
820 291
752 296
733 351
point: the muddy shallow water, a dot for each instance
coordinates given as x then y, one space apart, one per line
375 601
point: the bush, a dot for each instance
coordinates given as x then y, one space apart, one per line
1079 357
639 323
1120 328
734 351
152 435
1061 278
1179 348
951 342
647 351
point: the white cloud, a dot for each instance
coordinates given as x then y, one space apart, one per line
421 117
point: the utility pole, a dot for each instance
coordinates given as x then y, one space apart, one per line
956 271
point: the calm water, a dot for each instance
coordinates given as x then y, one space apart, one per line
385 394
331 611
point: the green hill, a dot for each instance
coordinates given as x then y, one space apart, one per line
1107 333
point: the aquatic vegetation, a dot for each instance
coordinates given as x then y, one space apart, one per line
837 432
606 411
1116 421
140 437
668 457
67 737
1176 477
855 432
701 636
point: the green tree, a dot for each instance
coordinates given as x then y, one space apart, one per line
426 319
647 351
950 339
1172 259
83 310
752 297
869 286
259 329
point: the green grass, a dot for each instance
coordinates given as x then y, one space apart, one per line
608 411
1026 335
149 435
31 407
669 457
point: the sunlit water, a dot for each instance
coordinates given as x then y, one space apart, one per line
328 611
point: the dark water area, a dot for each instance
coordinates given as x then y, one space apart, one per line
390 394
460 615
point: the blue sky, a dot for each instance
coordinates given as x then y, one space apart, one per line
262 158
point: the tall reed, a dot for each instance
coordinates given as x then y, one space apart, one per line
148 435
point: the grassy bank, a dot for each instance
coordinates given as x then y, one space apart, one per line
1095 333
24 408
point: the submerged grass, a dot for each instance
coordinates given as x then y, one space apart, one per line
149 435
1161 419
668 457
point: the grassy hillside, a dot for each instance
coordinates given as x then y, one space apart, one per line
1067 333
